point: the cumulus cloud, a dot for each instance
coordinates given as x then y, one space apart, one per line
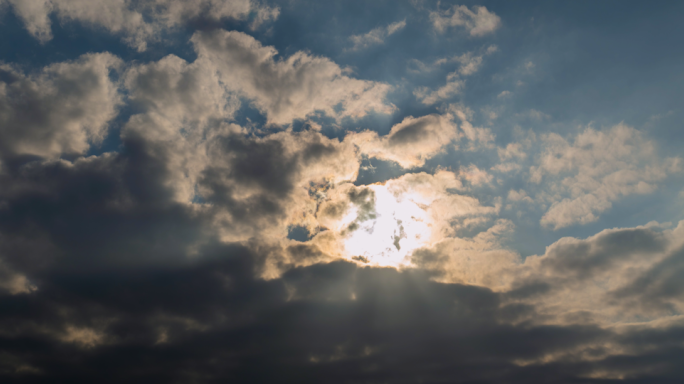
376 36
288 89
62 109
137 21
478 21
182 106
184 124
249 184
262 186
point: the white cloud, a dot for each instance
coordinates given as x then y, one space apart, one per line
453 86
62 109
581 177
520 195
376 36
417 139
469 64
477 260
183 126
478 21
512 151
287 89
478 137
623 275
474 175
183 104
137 21
411 142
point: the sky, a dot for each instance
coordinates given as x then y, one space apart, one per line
297 191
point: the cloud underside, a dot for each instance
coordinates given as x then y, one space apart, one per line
168 259
332 320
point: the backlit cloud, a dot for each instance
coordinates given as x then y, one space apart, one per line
232 195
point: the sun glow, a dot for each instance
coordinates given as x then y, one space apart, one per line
387 235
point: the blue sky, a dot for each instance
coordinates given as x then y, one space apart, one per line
181 178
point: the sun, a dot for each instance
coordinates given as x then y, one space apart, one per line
398 225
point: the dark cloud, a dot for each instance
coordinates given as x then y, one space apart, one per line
210 321
658 287
585 258
120 302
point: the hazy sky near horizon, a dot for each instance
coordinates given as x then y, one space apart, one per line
349 191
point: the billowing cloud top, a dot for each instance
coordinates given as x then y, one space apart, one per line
251 191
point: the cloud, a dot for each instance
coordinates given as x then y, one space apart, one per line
376 36
469 64
139 22
63 109
411 142
453 86
182 105
583 176
259 187
607 278
13 282
124 270
326 318
168 256
478 21
575 179
417 139
287 89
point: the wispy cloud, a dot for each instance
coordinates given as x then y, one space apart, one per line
376 36
478 21
469 64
